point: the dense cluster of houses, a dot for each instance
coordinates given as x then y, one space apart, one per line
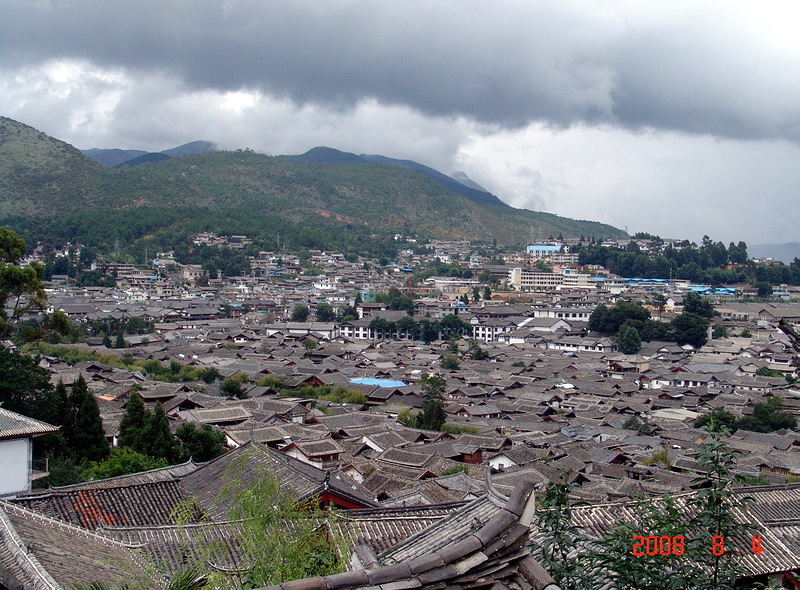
549 399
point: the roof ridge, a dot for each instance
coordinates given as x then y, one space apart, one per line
495 539
55 523
25 560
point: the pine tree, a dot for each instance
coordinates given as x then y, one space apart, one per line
120 342
160 440
84 434
132 423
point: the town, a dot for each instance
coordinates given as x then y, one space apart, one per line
328 364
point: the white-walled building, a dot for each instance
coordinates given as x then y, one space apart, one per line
16 451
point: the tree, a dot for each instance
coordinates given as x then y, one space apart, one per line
694 303
120 341
21 288
690 328
325 313
428 331
347 313
406 326
628 340
83 427
282 539
764 289
452 325
717 419
161 442
450 363
24 385
477 353
131 425
768 417
609 319
433 415
200 444
231 387
122 461
300 313
659 301
556 552
714 504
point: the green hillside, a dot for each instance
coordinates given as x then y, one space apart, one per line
41 177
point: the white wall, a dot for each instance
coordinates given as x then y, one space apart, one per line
15 456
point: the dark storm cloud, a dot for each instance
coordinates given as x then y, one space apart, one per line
699 70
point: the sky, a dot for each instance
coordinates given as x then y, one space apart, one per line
677 118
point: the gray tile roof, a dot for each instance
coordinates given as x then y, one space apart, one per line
13 425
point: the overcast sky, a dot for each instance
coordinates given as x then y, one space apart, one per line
674 118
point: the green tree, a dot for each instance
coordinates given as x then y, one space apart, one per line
161 442
406 326
325 313
557 552
348 313
628 340
122 461
690 328
24 385
694 303
83 427
433 415
609 319
300 313
120 341
764 289
714 504
282 539
477 353
659 301
131 425
452 325
719 418
450 362
201 444
768 417
231 387
21 288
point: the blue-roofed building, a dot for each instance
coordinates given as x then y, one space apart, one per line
378 382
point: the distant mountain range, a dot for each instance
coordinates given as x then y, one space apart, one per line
321 199
117 158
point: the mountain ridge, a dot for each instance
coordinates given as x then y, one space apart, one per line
41 177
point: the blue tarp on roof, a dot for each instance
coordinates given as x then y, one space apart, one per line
377 382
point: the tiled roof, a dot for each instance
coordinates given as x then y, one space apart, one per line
305 481
131 505
773 509
478 546
42 553
13 425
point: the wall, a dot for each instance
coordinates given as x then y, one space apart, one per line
15 456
